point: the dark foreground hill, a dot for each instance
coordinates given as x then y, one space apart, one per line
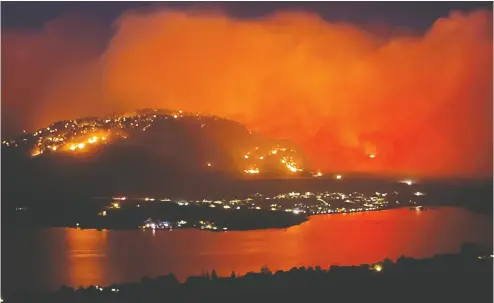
466 277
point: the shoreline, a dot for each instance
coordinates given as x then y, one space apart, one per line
473 263
300 220
330 238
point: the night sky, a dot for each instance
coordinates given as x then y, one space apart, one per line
418 15
408 82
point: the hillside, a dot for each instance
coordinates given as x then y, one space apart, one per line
149 151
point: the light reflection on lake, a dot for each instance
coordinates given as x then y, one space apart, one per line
48 258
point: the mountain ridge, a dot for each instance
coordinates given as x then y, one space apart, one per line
143 152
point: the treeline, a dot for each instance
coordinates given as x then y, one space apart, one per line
464 277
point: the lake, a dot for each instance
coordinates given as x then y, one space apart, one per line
46 259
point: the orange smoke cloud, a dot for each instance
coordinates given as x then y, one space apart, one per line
422 104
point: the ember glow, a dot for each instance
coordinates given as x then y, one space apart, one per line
411 104
60 141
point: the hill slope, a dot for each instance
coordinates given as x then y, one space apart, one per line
150 151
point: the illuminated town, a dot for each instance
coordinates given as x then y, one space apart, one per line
299 204
84 136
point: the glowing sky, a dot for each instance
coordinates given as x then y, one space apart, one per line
421 102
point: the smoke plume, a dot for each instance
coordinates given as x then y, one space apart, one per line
421 103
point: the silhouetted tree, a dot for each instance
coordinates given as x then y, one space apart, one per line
401 260
265 270
233 276
214 276
66 289
387 263
172 278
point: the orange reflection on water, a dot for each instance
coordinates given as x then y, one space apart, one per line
89 257
86 251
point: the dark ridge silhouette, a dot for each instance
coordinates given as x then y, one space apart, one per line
463 277
162 155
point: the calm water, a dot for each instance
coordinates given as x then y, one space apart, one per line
49 258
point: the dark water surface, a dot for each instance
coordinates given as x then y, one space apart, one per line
48 258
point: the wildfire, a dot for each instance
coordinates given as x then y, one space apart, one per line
57 143
275 152
252 171
290 164
93 139
36 152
